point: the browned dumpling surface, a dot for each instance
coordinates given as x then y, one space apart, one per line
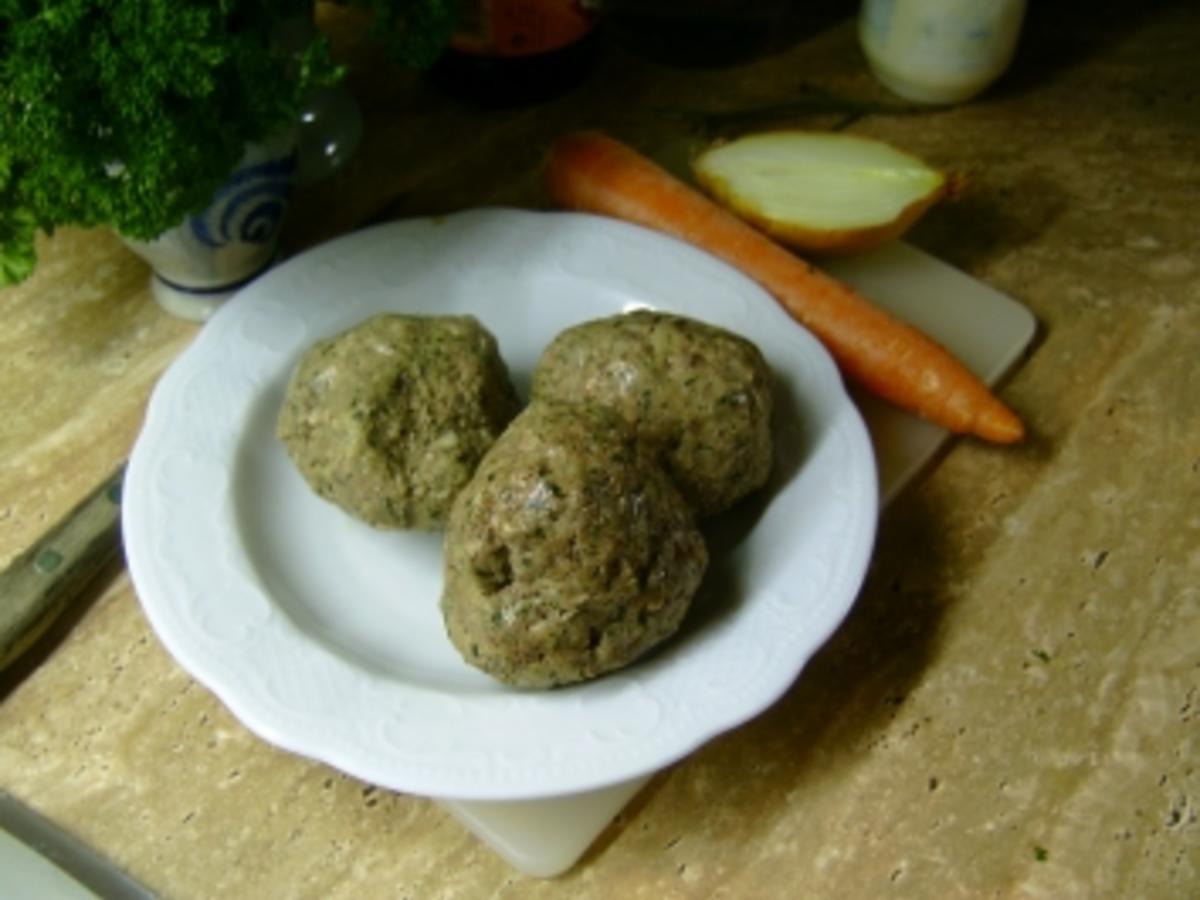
699 395
390 418
570 553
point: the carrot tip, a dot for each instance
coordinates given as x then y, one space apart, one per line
1000 425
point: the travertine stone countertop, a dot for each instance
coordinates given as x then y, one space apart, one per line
1012 709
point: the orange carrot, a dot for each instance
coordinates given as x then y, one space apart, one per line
591 172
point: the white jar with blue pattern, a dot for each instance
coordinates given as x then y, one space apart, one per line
204 260
939 51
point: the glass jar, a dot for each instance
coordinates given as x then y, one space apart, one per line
939 51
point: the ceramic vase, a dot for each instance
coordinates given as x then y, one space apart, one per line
200 263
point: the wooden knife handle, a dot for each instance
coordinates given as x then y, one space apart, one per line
40 583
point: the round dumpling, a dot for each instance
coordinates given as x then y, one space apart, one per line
570 553
389 419
700 396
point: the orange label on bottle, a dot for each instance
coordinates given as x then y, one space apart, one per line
522 27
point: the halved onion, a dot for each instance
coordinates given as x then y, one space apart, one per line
821 192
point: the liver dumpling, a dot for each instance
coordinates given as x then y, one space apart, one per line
389 419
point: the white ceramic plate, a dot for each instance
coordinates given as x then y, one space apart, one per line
324 636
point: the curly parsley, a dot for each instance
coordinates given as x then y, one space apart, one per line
130 113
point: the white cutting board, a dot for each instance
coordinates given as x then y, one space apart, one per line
985 329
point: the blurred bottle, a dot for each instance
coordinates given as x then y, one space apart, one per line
329 128
939 51
694 32
329 132
509 52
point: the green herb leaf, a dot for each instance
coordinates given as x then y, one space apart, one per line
18 231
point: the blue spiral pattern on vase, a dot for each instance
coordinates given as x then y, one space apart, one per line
248 207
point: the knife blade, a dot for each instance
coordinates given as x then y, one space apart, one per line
77 871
